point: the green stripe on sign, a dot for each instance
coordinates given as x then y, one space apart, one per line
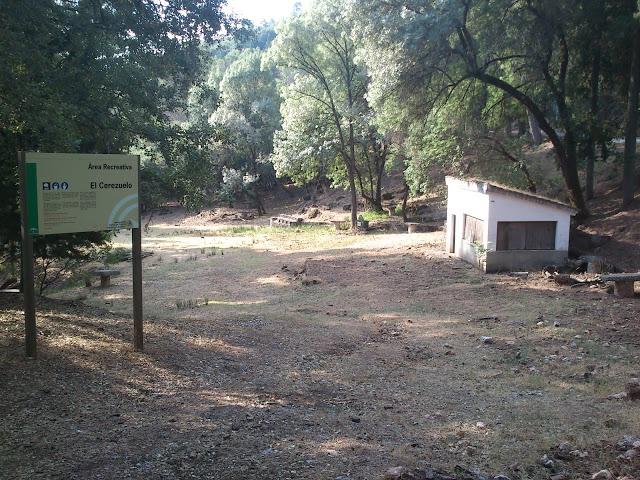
32 197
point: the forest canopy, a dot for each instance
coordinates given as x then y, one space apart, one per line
342 92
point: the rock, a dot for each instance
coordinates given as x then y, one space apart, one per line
564 450
627 442
633 389
556 324
486 340
559 476
395 473
617 396
313 213
579 454
481 425
546 462
307 280
501 477
629 454
603 475
346 208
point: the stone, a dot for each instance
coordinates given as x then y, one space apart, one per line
627 442
546 462
632 388
486 340
306 281
313 213
564 450
395 473
603 475
629 454
579 454
559 476
617 396
481 425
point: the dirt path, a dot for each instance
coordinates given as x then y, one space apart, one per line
380 364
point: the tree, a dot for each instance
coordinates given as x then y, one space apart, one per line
318 51
631 128
424 52
249 112
91 77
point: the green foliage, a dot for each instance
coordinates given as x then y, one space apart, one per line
90 77
373 215
111 256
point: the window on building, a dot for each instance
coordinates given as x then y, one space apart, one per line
473 229
526 236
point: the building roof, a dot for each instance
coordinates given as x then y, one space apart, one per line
485 186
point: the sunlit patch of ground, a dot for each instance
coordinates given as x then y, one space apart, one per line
252 370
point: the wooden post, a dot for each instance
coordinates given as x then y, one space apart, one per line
28 290
136 260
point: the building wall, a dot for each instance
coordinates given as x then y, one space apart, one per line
507 208
494 207
465 202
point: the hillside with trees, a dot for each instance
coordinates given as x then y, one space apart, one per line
372 239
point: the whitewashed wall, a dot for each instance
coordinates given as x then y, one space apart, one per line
471 198
462 201
509 208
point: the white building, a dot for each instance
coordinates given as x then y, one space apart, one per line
502 229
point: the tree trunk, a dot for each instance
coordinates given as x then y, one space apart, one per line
352 180
595 117
405 198
631 129
565 151
534 129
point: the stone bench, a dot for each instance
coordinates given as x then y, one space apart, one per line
623 283
338 224
412 227
105 275
285 221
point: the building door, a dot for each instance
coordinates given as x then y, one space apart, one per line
452 239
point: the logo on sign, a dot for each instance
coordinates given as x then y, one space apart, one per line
55 185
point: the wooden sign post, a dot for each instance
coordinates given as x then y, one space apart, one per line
69 193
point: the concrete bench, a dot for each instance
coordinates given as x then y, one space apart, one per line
623 283
285 221
412 227
338 224
105 275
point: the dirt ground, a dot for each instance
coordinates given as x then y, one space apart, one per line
314 354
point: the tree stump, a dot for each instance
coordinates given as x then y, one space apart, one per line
623 289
